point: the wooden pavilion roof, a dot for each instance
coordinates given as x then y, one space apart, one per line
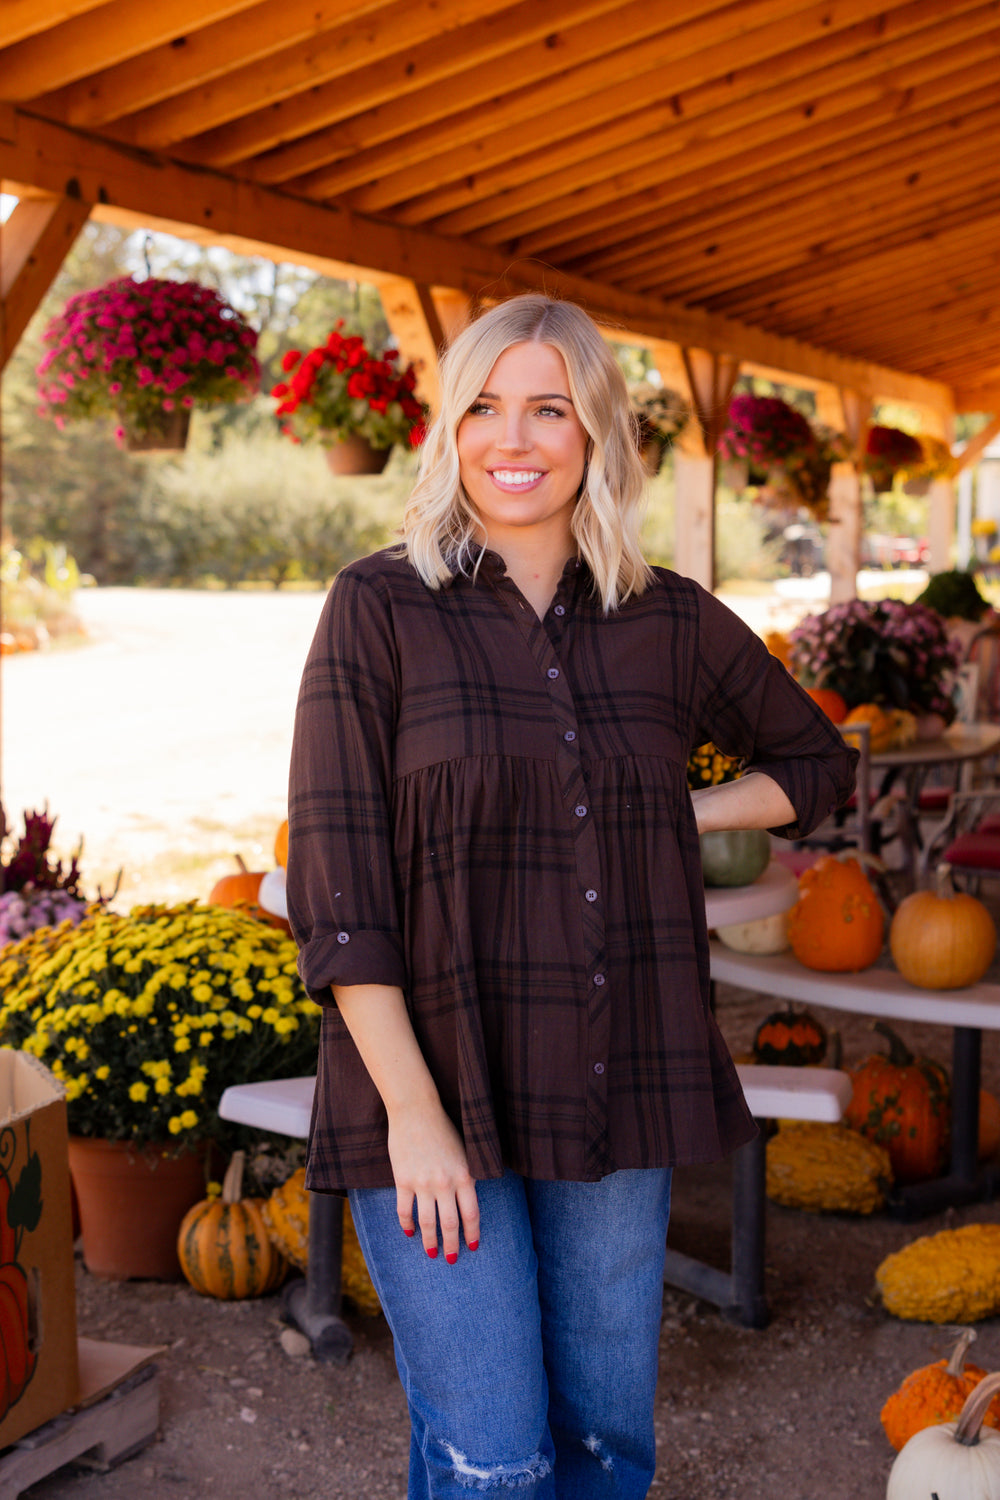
808 186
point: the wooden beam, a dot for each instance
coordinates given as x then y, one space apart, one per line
99 39
975 446
204 55
33 245
237 213
655 61
24 18
413 318
334 120
330 53
712 121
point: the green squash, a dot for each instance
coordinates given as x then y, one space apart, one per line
734 856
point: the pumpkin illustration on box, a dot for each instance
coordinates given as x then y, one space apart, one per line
20 1211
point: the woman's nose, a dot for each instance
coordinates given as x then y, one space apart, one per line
513 434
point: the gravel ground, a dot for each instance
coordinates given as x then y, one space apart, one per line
165 743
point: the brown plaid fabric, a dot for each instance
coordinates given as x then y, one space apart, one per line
491 811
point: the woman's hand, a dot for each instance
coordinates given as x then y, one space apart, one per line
429 1165
425 1150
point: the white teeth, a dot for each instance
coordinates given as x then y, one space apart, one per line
517 476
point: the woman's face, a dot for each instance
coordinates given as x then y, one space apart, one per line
522 447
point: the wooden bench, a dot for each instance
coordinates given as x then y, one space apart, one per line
313 1305
884 992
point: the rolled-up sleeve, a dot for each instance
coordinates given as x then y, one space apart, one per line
342 902
752 708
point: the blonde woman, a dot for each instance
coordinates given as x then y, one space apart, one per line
494 878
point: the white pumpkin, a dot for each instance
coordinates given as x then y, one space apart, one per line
953 1460
765 935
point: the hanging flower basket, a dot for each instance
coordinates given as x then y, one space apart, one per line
770 447
888 450
661 415
143 351
341 390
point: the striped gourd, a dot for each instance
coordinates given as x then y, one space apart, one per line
223 1245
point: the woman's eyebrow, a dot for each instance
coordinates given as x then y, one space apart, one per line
544 396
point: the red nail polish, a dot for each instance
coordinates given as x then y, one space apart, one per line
409 1233
472 1244
451 1259
432 1252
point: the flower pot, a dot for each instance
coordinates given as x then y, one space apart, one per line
131 1202
168 433
355 455
930 726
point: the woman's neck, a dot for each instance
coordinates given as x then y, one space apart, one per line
535 569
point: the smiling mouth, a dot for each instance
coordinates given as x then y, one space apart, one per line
516 478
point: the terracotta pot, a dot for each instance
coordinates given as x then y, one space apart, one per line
131 1204
355 455
930 726
169 434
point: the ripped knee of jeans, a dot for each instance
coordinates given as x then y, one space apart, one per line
593 1445
489 1477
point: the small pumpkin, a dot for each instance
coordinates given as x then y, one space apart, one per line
286 1213
943 939
935 1393
948 1277
826 1169
242 890
881 724
223 1245
281 844
904 1103
837 923
790 1037
734 856
955 1460
830 702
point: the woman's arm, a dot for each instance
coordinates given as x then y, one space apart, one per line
426 1151
753 801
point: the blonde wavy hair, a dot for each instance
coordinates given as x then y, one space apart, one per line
441 531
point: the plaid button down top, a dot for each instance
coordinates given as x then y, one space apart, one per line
491 811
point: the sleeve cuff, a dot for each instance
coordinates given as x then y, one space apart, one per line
350 957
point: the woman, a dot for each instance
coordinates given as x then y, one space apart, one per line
494 878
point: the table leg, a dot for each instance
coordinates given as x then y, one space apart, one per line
313 1305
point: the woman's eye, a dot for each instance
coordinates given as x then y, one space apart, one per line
551 411
479 409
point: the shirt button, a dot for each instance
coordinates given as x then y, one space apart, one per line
598 1067
598 980
569 736
560 609
343 937
591 895
580 810
552 673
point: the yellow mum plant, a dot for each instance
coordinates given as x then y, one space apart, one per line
146 1018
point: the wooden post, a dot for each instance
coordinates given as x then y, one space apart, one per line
849 412
941 525
694 523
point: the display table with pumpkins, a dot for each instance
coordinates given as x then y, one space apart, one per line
941 944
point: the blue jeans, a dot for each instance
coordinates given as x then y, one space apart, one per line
530 1365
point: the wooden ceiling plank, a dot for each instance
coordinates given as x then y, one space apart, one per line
27 18
695 205
743 259
46 156
977 329
476 188
33 245
803 208
653 66
97 40
373 103
327 55
262 30
796 144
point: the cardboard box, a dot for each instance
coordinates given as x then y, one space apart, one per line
38 1350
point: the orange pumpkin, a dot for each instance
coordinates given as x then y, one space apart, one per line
281 845
904 1104
837 923
933 1394
242 890
943 939
881 724
830 702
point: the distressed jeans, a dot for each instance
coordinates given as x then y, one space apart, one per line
530 1365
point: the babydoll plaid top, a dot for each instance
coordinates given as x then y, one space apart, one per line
491 811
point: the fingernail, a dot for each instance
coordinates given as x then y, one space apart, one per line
472 1244
409 1233
432 1252
451 1259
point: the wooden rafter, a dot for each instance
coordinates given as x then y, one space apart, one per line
33 245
